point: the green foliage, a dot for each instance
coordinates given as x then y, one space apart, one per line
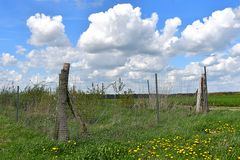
7 95
109 151
127 99
87 105
36 96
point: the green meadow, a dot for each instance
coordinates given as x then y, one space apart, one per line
117 129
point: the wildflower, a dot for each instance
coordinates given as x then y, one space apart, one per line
55 149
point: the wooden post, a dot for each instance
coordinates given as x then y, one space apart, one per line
205 92
62 128
202 95
17 104
199 104
148 88
157 99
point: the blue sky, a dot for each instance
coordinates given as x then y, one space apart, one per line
184 51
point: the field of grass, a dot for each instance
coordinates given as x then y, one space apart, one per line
128 134
227 99
118 129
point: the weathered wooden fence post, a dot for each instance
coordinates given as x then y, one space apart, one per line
205 92
62 127
202 94
157 99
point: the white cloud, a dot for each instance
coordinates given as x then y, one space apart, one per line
52 58
20 49
47 31
215 33
211 60
235 51
191 71
135 75
120 43
94 74
116 72
221 69
9 76
146 63
106 60
8 59
167 38
122 29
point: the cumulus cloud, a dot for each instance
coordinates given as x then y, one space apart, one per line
211 60
235 50
145 63
8 59
120 43
222 69
122 29
52 58
106 60
116 72
47 31
213 33
191 71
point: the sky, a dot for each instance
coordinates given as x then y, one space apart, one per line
106 40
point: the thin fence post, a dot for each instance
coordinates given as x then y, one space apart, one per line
17 104
206 107
148 86
157 98
199 104
102 89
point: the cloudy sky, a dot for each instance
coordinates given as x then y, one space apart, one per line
104 40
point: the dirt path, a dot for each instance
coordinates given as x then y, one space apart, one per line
225 108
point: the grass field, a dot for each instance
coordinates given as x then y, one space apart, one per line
180 135
227 99
117 131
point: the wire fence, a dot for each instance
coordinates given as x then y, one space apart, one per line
121 104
